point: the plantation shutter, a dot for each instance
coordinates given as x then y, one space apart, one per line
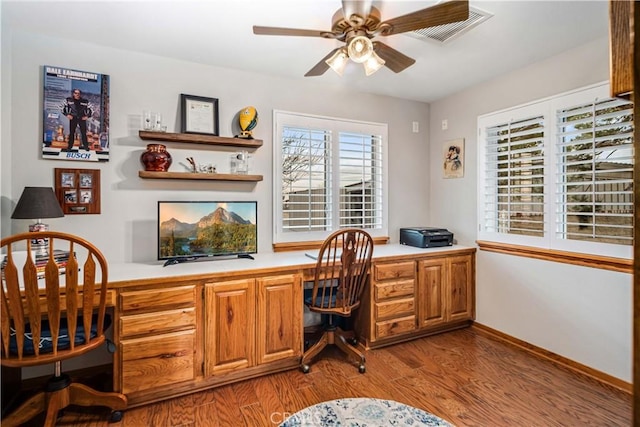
360 180
306 197
329 174
595 174
514 177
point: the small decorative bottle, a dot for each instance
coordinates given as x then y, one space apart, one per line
156 158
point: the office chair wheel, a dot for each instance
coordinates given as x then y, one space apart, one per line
305 369
353 341
362 369
115 416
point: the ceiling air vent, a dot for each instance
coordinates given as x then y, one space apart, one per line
447 32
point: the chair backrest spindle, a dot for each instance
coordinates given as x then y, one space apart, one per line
342 271
51 312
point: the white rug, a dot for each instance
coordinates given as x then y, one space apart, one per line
362 412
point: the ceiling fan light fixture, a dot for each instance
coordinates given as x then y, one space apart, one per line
360 49
338 61
373 64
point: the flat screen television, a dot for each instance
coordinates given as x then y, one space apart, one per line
192 230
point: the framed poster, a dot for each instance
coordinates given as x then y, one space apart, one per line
453 153
78 190
199 115
76 115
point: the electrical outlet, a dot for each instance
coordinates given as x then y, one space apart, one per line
445 124
416 127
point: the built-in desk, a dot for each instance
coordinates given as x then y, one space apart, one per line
192 326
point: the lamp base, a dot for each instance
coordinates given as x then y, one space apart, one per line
40 246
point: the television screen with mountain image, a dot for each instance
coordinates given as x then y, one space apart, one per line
192 230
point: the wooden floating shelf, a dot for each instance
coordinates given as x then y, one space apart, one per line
199 176
194 138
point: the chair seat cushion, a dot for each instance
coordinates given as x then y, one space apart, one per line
64 341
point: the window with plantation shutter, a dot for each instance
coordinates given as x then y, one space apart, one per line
514 198
360 180
332 175
595 174
558 174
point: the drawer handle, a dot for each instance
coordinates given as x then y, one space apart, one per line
171 355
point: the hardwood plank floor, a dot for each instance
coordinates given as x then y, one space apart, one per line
465 377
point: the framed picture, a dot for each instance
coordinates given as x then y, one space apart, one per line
75 115
78 190
199 115
67 180
453 154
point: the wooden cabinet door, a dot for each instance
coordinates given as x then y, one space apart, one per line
229 326
460 297
432 279
279 326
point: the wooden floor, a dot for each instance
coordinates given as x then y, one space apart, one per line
465 377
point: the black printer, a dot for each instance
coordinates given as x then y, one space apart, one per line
426 237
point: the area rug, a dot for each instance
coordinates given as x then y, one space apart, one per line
362 412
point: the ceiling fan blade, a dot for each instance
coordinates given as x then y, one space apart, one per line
356 7
321 66
439 14
394 60
278 31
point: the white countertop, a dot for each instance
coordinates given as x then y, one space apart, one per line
268 260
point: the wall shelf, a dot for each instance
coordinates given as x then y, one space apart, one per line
194 138
199 176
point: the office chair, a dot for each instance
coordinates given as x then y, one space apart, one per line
341 274
49 314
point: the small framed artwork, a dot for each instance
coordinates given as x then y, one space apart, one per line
85 196
67 180
78 190
86 180
199 115
453 155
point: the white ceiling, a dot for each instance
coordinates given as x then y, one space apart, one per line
219 32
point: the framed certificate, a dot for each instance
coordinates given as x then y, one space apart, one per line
199 115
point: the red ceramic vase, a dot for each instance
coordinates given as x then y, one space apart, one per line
156 158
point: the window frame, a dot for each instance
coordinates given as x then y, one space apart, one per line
334 125
548 107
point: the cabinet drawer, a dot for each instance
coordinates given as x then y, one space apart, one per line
158 299
154 362
153 323
399 270
393 327
394 309
383 291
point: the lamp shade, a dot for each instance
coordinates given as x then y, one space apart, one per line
373 64
338 61
360 49
36 203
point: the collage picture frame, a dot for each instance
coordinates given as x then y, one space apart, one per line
78 190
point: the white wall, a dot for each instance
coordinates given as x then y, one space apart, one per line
126 228
581 313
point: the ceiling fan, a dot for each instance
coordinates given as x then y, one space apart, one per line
358 22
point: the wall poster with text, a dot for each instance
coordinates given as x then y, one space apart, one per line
76 115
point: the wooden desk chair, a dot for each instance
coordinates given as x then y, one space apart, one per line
46 321
341 274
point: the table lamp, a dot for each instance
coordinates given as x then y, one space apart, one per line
37 203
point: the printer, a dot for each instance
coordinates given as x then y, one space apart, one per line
426 237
